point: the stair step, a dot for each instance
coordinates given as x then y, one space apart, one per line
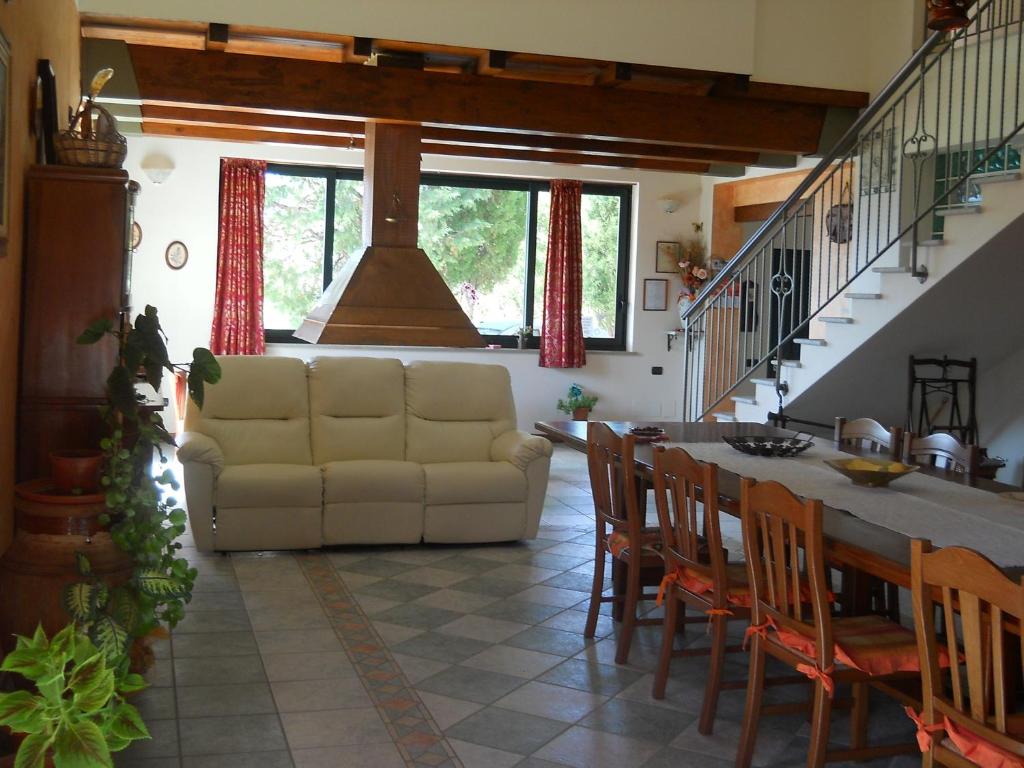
996 178
789 363
811 343
957 210
744 399
854 295
724 416
891 270
933 243
837 320
763 382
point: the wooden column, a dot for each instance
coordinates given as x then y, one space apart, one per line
391 184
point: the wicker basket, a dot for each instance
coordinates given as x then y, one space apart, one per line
99 153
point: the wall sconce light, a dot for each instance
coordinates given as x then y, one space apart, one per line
669 204
158 168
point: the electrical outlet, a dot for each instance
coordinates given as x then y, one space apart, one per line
656 370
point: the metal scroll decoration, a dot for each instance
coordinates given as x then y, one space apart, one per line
839 220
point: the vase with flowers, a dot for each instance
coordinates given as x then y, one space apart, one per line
693 268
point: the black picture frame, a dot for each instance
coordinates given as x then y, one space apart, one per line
44 71
655 295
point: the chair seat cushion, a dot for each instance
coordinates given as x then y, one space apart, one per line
692 580
962 741
872 644
618 543
373 480
269 485
474 482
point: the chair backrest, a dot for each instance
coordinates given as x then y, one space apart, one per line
679 480
868 434
258 412
967 583
613 478
941 450
455 410
776 526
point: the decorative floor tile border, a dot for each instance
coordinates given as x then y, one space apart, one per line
413 730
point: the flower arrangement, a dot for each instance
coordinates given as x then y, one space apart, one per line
693 268
576 400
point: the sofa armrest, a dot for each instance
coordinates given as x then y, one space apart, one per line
519 448
202 449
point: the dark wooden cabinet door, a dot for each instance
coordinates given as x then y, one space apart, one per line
77 220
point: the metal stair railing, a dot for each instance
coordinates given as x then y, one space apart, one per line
945 118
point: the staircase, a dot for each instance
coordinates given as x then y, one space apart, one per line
885 217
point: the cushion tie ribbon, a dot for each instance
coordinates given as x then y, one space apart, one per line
824 675
924 731
667 580
758 629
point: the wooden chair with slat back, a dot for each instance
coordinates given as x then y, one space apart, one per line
792 622
620 530
870 435
697 573
941 450
976 718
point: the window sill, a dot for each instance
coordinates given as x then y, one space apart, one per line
456 350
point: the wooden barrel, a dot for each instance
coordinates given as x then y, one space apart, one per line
50 527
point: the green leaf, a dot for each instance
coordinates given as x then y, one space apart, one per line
32 752
127 724
80 745
124 608
85 649
131 683
156 583
95 695
121 390
96 331
28 662
110 637
22 712
62 647
82 564
78 600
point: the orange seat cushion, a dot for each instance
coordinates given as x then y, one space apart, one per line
978 750
618 542
738 592
872 644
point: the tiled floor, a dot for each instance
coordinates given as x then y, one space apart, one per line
438 656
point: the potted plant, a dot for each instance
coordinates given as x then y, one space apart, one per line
693 270
77 715
142 521
576 404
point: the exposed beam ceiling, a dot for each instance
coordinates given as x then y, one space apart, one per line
253 84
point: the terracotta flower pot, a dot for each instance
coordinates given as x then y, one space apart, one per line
76 471
944 15
581 414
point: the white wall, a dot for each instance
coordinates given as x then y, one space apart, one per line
824 43
999 400
185 208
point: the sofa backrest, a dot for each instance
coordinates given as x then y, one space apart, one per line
455 410
357 408
258 412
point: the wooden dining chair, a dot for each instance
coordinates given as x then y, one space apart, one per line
621 531
870 435
966 720
697 574
941 450
791 621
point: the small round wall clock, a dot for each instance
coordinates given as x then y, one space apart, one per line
176 255
136 235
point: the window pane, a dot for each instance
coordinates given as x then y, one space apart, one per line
600 223
348 221
476 239
294 219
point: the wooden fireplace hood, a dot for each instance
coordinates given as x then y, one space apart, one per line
392 294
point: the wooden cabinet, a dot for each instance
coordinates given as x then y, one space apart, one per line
75 272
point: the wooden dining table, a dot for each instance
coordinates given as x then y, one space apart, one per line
855 545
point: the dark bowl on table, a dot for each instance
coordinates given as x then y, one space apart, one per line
776 447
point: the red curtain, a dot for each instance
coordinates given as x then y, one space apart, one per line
238 306
561 341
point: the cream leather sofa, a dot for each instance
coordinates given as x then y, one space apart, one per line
354 450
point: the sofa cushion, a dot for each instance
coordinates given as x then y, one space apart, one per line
357 408
258 412
366 481
269 485
474 482
455 410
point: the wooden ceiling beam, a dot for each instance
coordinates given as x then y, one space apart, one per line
228 80
180 115
227 133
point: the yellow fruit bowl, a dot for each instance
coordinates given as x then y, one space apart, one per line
874 473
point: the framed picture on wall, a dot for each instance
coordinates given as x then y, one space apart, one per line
5 136
667 255
655 295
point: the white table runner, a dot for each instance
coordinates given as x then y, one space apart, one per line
915 505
